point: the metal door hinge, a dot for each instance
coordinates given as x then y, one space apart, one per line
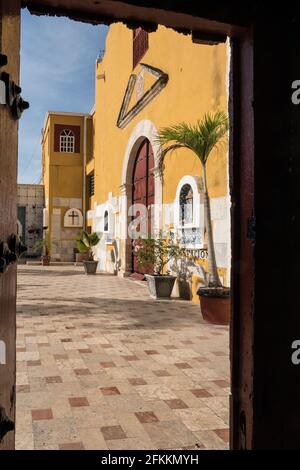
10 251
3 60
6 424
10 92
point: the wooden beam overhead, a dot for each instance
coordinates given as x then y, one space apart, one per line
184 17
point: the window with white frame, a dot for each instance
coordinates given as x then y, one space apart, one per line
67 141
189 213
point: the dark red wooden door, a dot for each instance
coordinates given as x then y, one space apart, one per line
143 189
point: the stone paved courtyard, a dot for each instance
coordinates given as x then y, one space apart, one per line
100 365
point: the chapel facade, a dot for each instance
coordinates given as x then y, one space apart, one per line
143 83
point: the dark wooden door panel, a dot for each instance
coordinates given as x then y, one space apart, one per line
243 247
10 46
151 189
143 189
140 191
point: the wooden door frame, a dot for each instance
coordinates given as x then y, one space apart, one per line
243 248
242 241
9 45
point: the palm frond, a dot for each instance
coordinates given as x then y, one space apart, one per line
166 150
201 137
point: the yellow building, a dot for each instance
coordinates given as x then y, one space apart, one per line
143 82
66 147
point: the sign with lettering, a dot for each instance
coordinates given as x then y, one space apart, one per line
191 238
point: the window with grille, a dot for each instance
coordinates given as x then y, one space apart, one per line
140 44
91 185
186 205
67 141
105 222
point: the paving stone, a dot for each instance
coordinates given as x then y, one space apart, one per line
101 365
78 401
71 446
112 432
146 417
41 414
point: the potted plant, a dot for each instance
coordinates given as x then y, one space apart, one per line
44 244
201 139
85 244
183 267
80 257
154 254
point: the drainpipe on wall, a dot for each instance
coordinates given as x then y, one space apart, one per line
84 171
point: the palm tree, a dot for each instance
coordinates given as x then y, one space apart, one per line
201 139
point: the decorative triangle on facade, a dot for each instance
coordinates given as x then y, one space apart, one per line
126 115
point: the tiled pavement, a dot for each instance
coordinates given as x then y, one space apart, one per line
100 365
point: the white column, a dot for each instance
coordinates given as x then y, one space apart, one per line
158 199
125 242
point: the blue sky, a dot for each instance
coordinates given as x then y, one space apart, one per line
57 73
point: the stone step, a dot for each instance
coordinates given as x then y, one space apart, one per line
54 263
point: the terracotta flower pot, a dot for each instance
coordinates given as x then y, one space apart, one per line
46 260
160 287
215 304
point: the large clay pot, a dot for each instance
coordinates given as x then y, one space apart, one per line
160 287
90 267
184 289
46 260
215 305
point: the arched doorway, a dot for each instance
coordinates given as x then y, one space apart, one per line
143 189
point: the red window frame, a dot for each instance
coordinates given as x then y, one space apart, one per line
140 44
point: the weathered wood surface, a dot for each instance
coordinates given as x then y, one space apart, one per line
9 45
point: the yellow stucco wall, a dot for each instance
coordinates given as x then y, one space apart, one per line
197 84
45 161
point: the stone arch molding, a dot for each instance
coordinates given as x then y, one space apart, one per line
145 129
78 219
